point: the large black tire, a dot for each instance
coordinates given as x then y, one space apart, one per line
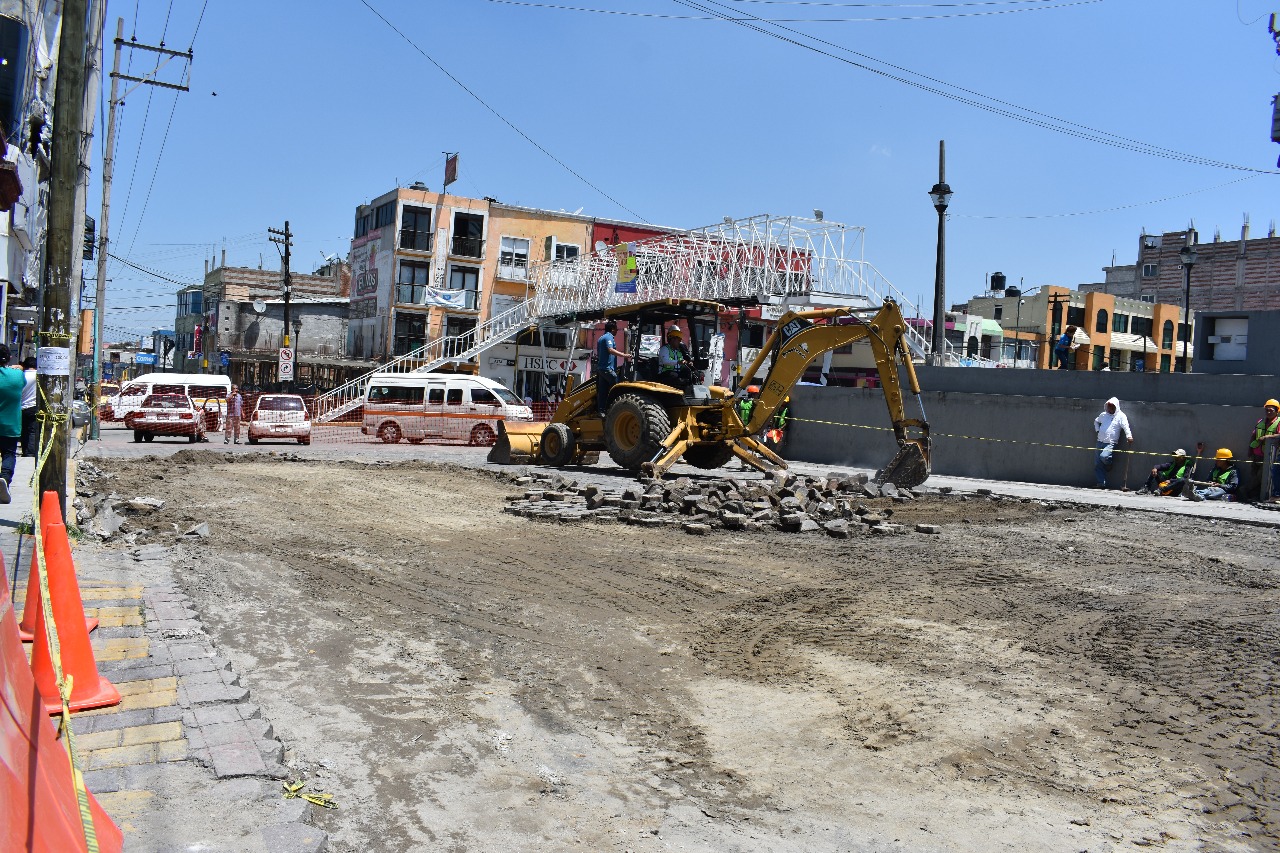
148 436
635 429
389 432
708 456
137 436
557 446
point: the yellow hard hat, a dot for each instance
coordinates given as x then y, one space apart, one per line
675 330
1271 404
1223 453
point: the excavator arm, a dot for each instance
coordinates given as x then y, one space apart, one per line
801 337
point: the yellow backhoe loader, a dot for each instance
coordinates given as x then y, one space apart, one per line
655 417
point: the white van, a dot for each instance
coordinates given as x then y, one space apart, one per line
207 391
442 406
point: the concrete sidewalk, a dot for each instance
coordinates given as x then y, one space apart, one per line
186 761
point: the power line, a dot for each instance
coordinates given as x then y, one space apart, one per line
979 100
500 116
659 15
141 269
155 171
1105 209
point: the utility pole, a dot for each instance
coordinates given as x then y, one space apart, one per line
285 238
108 169
62 249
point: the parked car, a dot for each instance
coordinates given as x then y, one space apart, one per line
165 414
280 416
442 406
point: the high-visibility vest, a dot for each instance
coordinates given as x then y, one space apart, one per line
1262 429
745 406
1221 475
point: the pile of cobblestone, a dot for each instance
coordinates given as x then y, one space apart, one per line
784 501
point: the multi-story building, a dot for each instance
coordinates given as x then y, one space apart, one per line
234 324
1228 275
1121 333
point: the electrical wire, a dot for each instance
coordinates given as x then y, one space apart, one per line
1105 209
979 100
155 171
500 116
153 273
199 21
659 15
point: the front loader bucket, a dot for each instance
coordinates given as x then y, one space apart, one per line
517 442
909 468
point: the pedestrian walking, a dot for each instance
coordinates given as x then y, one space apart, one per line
1062 350
1267 425
235 410
12 381
29 406
1223 484
1109 425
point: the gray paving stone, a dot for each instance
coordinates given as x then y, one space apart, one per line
116 633
272 751
204 679
119 720
294 838
295 810
222 734
210 695
189 651
167 714
214 715
142 669
104 781
194 665
237 759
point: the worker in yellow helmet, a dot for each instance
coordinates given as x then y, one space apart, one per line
1223 484
674 362
1267 425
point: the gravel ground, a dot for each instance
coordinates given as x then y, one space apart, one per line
1038 676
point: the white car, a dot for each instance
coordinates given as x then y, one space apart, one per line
280 416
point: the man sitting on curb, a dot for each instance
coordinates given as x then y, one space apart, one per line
1170 478
1223 483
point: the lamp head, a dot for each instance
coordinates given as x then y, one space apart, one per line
1188 255
941 196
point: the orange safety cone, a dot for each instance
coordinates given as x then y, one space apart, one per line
27 627
89 689
39 811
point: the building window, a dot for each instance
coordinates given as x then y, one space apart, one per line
1147 297
458 334
362 225
415 229
468 235
1165 364
384 215
1184 332
1150 270
1141 326
513 258
999 311
411 332
1166 335
538 338
1075 316
468 279
566 251
1120 322
1102 322
412 282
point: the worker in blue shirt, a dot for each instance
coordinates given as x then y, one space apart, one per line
607 355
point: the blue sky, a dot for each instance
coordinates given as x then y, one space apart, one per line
321 106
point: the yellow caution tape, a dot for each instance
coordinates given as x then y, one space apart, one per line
321 799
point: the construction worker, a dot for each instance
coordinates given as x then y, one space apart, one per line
607 355
1109 425
1223 482
747 404
673 360
777 431
1169 479
1267 425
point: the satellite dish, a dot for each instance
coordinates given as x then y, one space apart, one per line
602 246
259 307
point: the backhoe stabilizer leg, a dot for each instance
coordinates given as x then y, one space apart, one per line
672 449
755 454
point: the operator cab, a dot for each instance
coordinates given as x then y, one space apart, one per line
647 327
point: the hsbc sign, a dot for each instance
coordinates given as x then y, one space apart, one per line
548 365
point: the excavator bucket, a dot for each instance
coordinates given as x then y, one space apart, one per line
909 468
517 443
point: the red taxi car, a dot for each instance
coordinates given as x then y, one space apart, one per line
166 414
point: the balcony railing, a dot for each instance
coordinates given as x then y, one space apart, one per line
415 240
468 247
517 270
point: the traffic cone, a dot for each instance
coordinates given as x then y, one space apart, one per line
27 628
39 804
88 690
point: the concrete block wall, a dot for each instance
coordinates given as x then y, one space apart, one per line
1004 424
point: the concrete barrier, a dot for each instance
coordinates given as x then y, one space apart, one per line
1033 410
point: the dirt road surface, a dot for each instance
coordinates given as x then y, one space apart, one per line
1034 678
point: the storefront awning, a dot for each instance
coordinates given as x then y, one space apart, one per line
990 328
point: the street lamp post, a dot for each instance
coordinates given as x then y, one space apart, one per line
1017 334
1189 257
940 194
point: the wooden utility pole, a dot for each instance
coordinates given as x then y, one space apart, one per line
108 170
63 249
